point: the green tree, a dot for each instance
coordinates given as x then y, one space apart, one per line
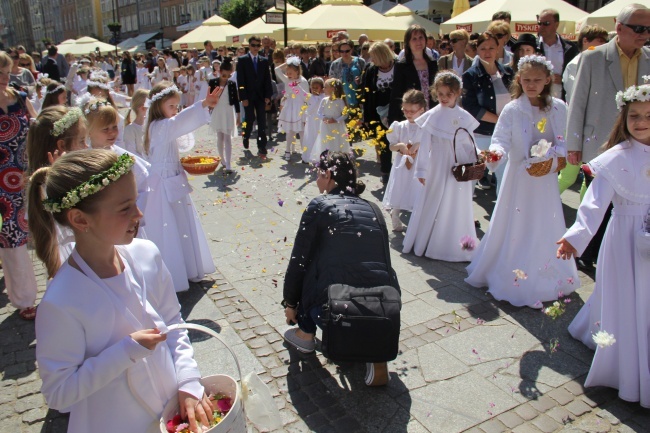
305 5
240 12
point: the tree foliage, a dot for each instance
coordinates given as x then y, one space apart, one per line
241 12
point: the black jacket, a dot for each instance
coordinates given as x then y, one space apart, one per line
406 78
478 93
254 86
373 97
233 97
339 240
51 69
570 51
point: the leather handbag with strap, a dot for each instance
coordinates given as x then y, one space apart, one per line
362 324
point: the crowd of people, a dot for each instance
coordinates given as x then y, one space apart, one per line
531 109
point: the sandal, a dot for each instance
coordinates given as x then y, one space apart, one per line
28 313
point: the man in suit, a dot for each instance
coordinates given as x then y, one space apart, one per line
557 50
254 79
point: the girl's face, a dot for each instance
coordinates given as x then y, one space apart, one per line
412 111
62 98
328 90
225 75
446 96
116 217
293 73
316 88
103 138
170 106
79 141
638 121
161 63
526 50
487 51
418 42
532 82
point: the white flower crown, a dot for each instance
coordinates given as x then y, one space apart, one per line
56 89
450 74
64 123
634 93
93 185
535 59
164 92
96 105
100 84
293 61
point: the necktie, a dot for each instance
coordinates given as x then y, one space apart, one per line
255 63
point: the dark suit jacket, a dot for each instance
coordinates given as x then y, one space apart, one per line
570 51
51 69
253 86
406 78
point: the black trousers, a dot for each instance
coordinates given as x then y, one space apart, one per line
256 110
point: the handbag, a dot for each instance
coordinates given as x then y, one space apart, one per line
469 171
362 324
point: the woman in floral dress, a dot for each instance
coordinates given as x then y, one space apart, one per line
15 111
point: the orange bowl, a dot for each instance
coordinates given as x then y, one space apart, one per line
201 164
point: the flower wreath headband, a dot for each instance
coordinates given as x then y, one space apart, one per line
92 186
56 89
450 74
100 84
535 59
634 93
63 124
161 94
96 105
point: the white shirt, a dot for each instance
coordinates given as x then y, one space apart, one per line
457 68
555 54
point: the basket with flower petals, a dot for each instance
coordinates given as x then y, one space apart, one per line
545 158
198 165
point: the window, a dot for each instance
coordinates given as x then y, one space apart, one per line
173 15
134 22
166 17
156 17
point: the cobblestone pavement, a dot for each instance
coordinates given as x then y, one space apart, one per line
466 362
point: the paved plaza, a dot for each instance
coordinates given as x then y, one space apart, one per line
467 363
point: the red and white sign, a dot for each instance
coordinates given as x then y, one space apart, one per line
184 46
235 39
526 28
332 33
467 27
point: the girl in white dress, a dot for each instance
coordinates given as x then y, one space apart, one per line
172 221
403 187
619 307
516 259
180 79
442 224
192 82
160 72
312 121
142 76
293 105
133 131
225 116
332 134
102 326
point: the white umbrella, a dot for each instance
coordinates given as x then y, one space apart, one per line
86 45
382 6
431 7
606 16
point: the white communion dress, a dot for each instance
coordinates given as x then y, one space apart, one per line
403 188
331 136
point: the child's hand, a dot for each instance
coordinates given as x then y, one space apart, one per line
421 179
213 98
566 250
414 149
53 156
193 409
402 148
148 338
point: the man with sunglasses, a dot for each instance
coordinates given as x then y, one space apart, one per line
254 80
556 49
603 71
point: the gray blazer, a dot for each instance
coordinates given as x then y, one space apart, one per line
592 110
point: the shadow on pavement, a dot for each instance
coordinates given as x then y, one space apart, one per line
323 392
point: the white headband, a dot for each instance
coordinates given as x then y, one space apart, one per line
535 59
293 61
163 93
99 84
56 89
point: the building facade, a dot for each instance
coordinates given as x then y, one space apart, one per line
69 18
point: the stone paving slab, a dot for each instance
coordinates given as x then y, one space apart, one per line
466 363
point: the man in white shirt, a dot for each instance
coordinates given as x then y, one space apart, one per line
557 50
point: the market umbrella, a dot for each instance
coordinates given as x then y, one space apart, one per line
405 17
214 29
86 45
382 6
606 16
524 16
460 6
259 27
324 21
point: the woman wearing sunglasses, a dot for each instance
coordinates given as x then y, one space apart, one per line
501 29
20 76
457 60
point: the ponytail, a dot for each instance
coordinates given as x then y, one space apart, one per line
127 118
41 224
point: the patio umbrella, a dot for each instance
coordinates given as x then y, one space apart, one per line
606 16
86 45
382 6
405 17
214 29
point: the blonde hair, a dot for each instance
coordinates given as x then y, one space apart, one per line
40 140
7 61
67 172
101 117
156 111
380 52
516 90
499 26
137 100
459 34
337 88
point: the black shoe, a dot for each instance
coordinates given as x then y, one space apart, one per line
477 224
384 179
585 265
484 184
245 143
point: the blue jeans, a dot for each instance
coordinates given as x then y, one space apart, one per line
307 321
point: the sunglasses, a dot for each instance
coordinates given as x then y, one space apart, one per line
255 45
345 51
500 35
544 23
639 30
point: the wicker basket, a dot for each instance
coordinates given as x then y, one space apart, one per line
470 171
542 168
192 164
